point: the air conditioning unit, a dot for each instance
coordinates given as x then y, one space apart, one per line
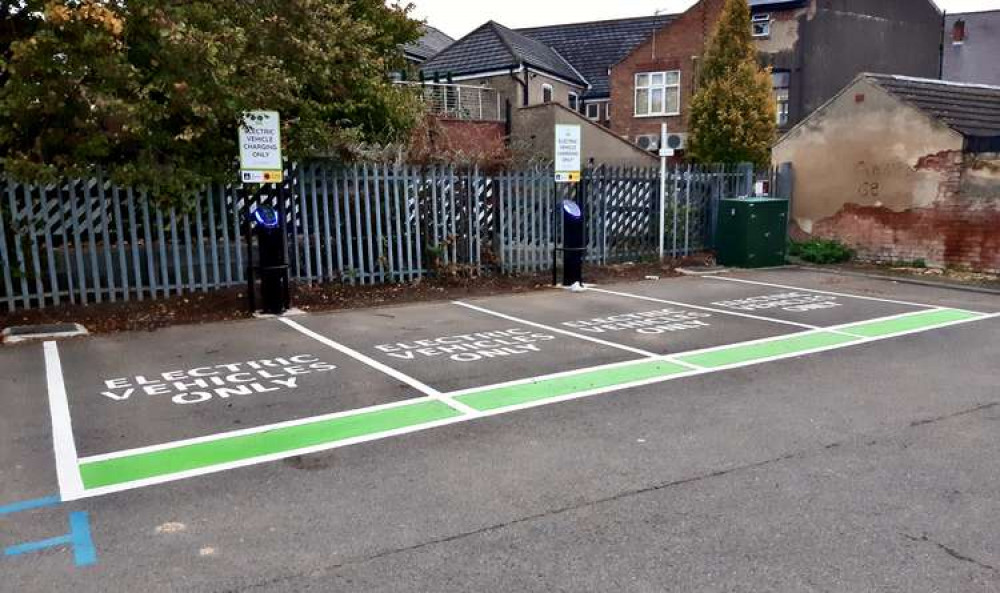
648 142
677 141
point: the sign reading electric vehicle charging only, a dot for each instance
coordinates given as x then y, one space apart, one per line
567 153
260 147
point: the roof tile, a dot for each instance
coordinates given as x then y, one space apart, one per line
970 109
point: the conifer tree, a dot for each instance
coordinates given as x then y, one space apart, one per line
733 115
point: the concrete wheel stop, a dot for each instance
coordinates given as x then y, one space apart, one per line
702 270
53 331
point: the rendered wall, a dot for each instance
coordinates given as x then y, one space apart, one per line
893 184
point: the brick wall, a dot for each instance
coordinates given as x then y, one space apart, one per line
678 46
960 228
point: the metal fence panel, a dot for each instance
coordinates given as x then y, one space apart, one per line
87 241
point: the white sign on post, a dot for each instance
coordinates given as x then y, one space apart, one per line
567 153
260 147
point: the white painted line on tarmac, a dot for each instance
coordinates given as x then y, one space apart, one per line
840 294
703 308
378 366
457 419
865 339
252 430
547 376
557 330
67 467
211 469
749 342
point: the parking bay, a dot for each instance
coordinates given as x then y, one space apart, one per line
187 401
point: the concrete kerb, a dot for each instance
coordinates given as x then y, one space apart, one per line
902 280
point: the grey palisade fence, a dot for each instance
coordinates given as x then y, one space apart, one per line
89 241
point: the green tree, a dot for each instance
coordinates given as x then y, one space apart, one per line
733 112
152 91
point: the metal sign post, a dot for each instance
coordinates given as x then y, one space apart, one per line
664 153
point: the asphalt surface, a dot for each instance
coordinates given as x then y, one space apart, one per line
874 467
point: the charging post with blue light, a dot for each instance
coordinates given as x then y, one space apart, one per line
574 238
261 165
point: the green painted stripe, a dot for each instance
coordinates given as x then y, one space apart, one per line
749 352
501 397
279 440
923 320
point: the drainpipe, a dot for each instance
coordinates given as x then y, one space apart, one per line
944 25
523 83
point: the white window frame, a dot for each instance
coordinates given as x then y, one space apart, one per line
764 22
574 101
650 87
597 111
548 87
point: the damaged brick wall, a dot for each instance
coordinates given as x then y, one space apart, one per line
960 228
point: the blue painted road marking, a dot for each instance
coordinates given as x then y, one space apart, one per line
79 538
27 505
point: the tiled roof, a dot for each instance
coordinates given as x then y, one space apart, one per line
430 43
494 47
970 109
593 47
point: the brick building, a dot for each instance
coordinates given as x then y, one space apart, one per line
902 169
655 82
814 46
593 47
971 51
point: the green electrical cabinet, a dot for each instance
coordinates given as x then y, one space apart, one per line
752 232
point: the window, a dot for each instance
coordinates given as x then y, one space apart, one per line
658 93
574 101
594 111
546 93
958 33
779 82
761 25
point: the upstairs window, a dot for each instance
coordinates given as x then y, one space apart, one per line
761 25
658 93
958 33
594 111
546 93
574 101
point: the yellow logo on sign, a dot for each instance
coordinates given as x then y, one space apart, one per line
567 176
252 176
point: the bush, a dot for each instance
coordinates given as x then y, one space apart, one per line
821 251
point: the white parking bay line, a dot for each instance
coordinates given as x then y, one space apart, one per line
704 308
557 330
840 294
378 366
67 470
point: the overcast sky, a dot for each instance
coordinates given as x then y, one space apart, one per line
458 17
